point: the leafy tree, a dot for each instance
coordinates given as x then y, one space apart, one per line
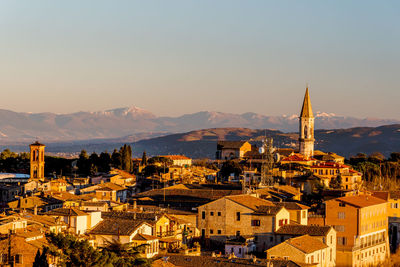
116 159
376 157
144 158
104 162
128 254
336 183
395 156
126 158
73 252
7 153
229 167
41 259
160 160
84 163
151 170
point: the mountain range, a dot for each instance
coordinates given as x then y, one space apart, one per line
203 143
138 124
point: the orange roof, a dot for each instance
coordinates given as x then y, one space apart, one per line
124 174
109 187
250 201
289 189
330 165
175 157
297 157
306 243
361 201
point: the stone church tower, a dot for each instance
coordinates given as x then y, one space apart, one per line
37 161
306 131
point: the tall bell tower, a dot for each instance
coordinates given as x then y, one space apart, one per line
306 131
37 160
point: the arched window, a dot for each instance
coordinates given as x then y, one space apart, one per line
305 134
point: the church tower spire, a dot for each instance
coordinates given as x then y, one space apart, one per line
306 129
306 110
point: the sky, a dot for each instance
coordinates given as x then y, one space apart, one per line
178 57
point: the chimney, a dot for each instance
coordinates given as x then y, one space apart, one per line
35 210
135 204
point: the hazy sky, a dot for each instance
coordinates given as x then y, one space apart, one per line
175 57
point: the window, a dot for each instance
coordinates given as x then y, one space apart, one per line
341 215
219 232
240 250
238 216
211 213
255 223
219 213
303 214
211 231
3 258
231 250
339 228
342 240
286 257
203 232
237 233
18 258
341 204
203 215
271 239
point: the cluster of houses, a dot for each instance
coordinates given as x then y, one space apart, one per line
197 221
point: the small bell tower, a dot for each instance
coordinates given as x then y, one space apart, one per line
37 161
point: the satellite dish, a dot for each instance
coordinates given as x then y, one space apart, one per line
261 150
277 157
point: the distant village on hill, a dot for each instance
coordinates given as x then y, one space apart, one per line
266 200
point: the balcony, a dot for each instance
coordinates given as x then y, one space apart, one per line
166 234
358 246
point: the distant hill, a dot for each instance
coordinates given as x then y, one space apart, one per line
346 142
202 143
16 127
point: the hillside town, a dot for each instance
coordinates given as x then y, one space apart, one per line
254 204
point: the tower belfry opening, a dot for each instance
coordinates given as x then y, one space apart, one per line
37 161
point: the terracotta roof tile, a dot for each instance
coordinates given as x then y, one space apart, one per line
361 201
250 201
175 157
267 210
306 243
144 237
297 229
291 205
116 226
66 212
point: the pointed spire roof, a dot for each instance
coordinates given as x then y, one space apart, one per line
306 110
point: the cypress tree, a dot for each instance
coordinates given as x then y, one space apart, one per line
144 158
